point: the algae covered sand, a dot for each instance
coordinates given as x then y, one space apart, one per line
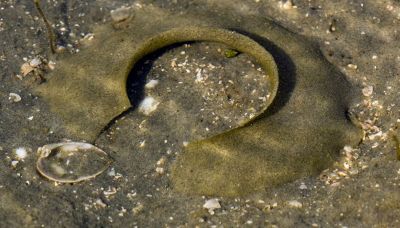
360 187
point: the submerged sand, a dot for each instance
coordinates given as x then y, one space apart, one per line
361 189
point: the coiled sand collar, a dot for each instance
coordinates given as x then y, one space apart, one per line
299 136
232 39
104 98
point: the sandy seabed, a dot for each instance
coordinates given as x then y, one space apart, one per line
360 38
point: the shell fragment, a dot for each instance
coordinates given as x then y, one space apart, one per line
71 162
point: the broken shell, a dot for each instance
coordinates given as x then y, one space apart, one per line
71 162
14 97
26 68
35 62
148 105
121 14
211 205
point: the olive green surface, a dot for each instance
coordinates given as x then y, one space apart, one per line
300 134
93 94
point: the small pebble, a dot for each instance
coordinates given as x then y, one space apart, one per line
151 84
26 68
121 14
14 163
100 203
367 91
51 65
352 66
211 205
295 204
303 186
14 97
160 170
286 5
35 62
136 210
21 153
148 105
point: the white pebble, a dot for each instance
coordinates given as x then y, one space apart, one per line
111 173
211 205
142 144
21 153
148 105
121 14
367 91
295 204
303 186
352 66
160 170
35 62
51 65
151 84
347 149
286 5
199 77
14 163
14 97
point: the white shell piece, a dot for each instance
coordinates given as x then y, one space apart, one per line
71 162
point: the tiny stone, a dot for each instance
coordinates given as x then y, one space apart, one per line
286 5
26 68
160 170
35 62
14 97
136 210
51 65
148 105
161 161
111 173
100 203
295 204
303 186
14 163
347 149
211 205
120 14
367 91
151 84
352 66
21 153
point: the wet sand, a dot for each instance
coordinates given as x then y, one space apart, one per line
360 38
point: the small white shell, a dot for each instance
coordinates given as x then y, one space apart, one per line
148 105
14 97
71 162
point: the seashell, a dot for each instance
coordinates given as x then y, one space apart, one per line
71 162
14 97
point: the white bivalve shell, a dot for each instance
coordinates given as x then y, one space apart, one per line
71 162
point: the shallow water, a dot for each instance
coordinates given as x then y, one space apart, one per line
366 193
